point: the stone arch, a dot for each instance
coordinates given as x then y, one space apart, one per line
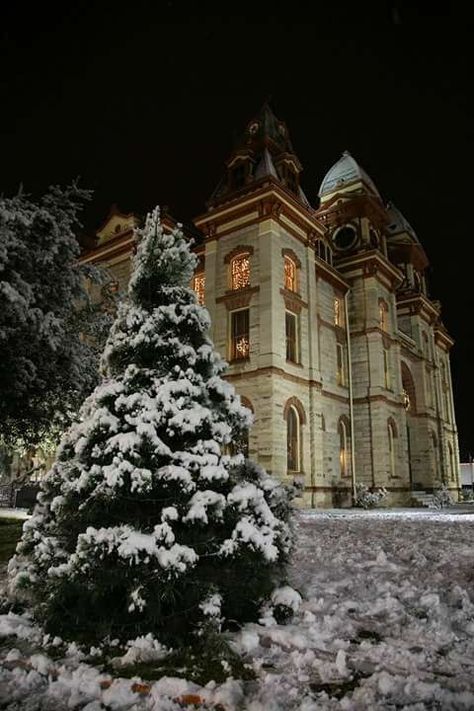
408 385
286 252
246 403
237 251
294 402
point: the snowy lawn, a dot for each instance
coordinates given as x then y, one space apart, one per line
387 623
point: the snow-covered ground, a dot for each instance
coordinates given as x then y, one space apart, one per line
387 622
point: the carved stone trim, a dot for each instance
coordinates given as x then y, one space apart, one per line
238 299
286 252
293 302
294 402
240 249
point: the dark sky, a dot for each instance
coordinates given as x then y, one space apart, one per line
144 103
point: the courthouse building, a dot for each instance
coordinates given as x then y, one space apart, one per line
324 316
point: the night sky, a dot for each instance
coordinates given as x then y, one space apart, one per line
144 106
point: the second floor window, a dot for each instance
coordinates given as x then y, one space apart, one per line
199 286
291 327
240 271
239 335
290 274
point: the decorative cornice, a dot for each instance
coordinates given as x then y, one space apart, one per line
293 302
237 299
240 249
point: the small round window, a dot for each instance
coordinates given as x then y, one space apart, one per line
345 238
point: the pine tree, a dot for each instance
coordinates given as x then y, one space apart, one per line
145 523
46 367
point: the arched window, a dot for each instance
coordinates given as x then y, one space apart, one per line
445 389
408 385
295 418
392 445
240 271
290 274
343 448
293 440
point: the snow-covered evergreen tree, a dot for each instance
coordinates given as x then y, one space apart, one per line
46 367
145 524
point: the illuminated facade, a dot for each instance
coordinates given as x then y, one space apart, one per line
325 318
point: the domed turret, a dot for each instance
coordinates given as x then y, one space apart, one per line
346 172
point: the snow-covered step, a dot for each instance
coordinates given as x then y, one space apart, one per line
423 498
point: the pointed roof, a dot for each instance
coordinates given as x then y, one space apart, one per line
399 224
266 166
264 150
346 170
265 128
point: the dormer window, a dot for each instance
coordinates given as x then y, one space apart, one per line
240 271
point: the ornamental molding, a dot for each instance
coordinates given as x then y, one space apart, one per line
238 251
287 252
238 299
293 302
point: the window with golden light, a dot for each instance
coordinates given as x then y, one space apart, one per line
240 271
290 274
199 286
239 335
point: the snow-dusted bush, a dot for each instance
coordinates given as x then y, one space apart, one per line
442 499
369 498
144 524
468 495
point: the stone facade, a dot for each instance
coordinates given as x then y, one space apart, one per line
324 317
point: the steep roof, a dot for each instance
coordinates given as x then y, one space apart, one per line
399 224
346 170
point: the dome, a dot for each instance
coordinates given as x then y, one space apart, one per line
398 224
346 170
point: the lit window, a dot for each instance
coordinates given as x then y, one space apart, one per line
386 369
383 316
338 312
341 364
391 448
291 326
240 271
290 274
199 286
240 342
293 440
343 468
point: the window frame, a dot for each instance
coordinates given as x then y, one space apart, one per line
200 295
293 416
233 349
239 257
295 318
